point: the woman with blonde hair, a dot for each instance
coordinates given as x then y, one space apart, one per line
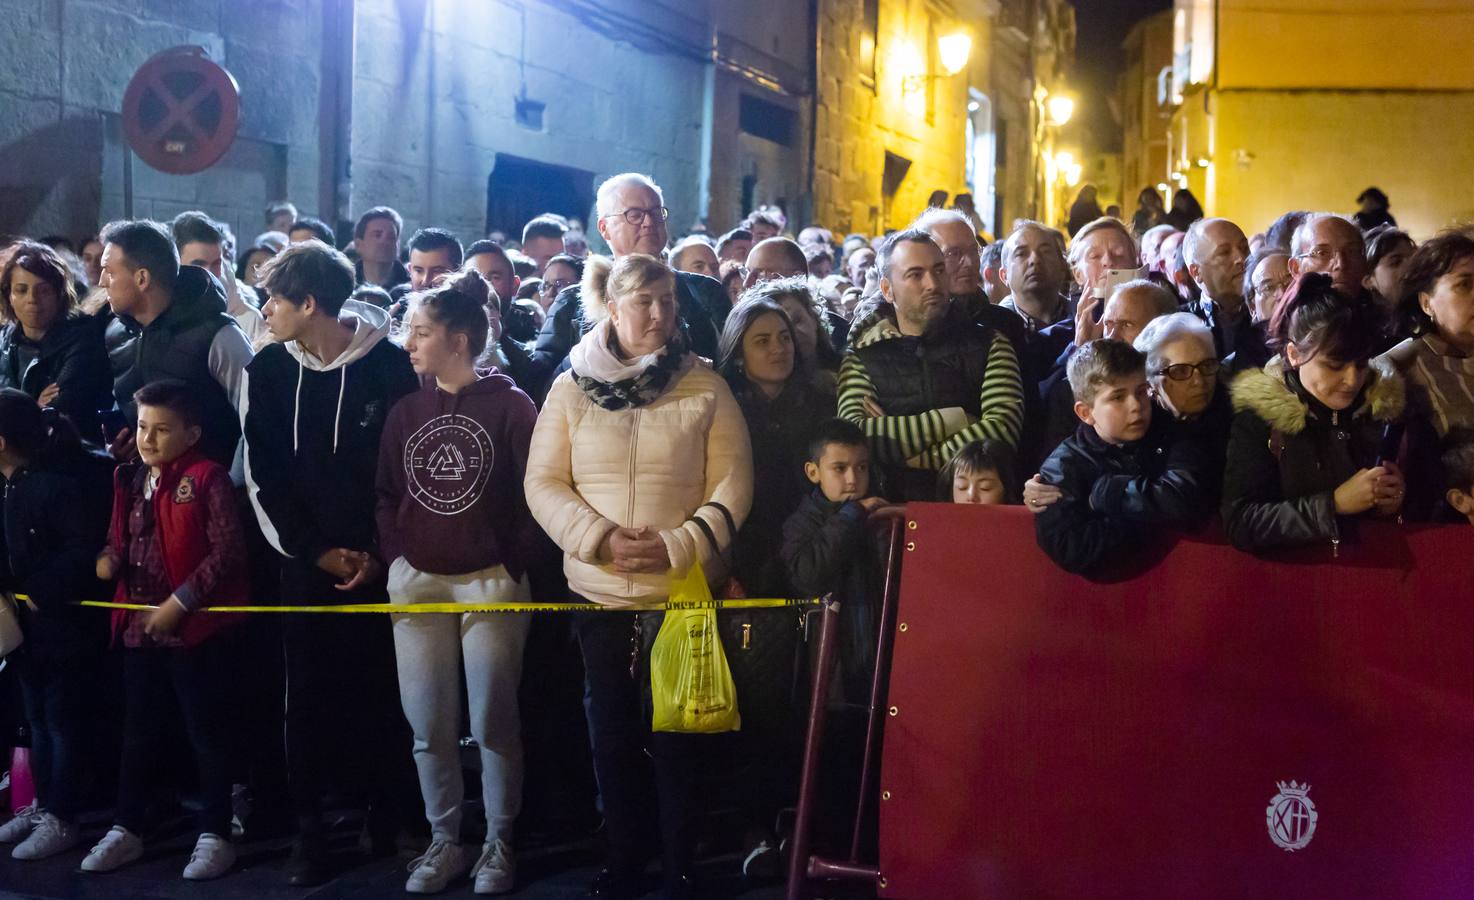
639 468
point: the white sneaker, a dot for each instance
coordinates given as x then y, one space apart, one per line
26 818
49 838
212 857
437 867
118 848
496 871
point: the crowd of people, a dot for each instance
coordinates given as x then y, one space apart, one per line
188 423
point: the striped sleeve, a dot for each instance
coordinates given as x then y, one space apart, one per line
893 439
1002 407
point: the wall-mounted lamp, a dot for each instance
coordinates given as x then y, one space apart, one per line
1202 162
953 51
1059 108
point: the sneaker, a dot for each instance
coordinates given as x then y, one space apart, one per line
213 856
118 848
20 825
50 837
437 867
764 858
496 871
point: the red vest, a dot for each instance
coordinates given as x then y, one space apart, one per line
180 515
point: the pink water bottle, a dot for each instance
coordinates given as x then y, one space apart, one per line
22 787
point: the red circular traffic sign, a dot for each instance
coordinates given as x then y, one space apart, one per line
181 111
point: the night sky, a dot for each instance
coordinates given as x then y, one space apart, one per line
1101 27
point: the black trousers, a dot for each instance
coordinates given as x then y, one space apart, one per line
57 692
193 684
344 723
619 729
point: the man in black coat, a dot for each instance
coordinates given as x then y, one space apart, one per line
632 217
170 321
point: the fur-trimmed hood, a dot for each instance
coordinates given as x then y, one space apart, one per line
1269 396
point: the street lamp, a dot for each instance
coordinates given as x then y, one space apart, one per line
1059 107
954 50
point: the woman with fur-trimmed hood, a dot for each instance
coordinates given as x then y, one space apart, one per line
1309 451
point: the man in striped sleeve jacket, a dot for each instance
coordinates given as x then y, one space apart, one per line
920 377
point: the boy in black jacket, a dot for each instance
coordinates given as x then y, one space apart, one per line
827 549
314 408
1121 474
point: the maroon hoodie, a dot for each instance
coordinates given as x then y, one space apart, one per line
450 479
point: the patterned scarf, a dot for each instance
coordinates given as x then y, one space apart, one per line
642 389
1447 381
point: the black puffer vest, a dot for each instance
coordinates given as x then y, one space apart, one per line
915 374
176 345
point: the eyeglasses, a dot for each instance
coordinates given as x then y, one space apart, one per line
1182 371
636 215
1324 254
1266 288
556 287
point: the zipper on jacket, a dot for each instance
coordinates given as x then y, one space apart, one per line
629 516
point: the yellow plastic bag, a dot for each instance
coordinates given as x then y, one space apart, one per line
690 683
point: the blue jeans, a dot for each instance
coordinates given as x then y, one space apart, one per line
58 692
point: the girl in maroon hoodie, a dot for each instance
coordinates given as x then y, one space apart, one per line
455 526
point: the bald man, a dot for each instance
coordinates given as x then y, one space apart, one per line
776 257
1333 245
1215 251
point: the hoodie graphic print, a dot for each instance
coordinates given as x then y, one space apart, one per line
449 480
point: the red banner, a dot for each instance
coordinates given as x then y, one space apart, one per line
1218 725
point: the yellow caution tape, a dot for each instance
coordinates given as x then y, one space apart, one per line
426 608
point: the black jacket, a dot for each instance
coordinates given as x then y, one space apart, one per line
780 431
72 356
177 345
1115 496
1242 346
312 437
55 519
827 548
1287 454
696 296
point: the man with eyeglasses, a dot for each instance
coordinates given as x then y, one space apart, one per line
631 219
953 232
1332 244
1215 251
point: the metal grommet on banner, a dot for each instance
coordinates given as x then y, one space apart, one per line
885 795
910 545
911 524
894 711
902 627
882 882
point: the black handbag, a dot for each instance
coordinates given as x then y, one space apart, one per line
765 651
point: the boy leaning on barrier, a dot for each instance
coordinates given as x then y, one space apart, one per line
175 543
827 548
1121 475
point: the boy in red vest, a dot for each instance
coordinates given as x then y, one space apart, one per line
175 544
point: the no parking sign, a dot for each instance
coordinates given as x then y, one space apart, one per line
181 111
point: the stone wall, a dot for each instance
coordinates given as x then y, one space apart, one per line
435 89
858 123
64 65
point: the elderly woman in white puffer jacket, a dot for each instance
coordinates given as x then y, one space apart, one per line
640 466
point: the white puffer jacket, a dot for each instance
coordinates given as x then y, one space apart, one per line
590 470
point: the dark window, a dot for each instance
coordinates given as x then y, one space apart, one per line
869 36
766 120
519 189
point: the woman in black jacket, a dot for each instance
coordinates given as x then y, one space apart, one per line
1315 431
53 516
48 349
772 382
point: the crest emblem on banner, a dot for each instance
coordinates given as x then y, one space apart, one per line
1291 816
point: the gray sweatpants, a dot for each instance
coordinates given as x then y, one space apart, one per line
429 650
